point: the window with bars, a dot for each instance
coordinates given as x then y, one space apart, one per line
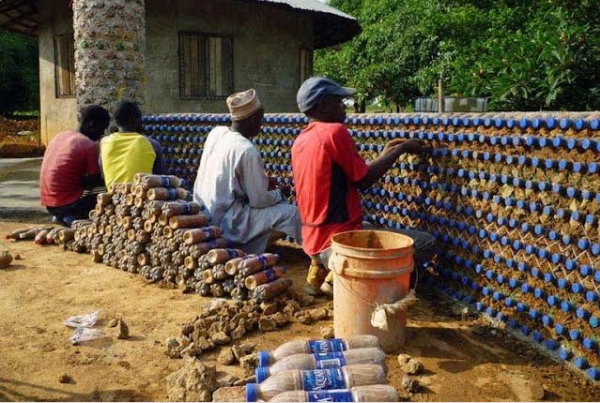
64 49
205 66
306 64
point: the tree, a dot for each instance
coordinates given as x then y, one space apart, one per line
522 55
19 73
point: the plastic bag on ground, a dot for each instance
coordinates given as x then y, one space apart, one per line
87 320
82 334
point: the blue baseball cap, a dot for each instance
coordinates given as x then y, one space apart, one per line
315 88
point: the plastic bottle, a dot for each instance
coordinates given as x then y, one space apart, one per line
328 360
266 358
373 393
313 380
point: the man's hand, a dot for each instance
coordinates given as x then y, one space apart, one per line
391 146
414 146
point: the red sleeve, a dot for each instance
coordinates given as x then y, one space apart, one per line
342 150
91 158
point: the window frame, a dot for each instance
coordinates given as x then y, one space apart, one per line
309 62
58 65
205 37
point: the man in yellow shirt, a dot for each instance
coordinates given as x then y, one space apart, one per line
127 152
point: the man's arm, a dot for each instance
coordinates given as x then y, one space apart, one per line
393 149
254 181
159 164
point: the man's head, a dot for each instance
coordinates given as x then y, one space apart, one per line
94 121
322 99
128 116
246 112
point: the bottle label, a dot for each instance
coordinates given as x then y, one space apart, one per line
232 253
172 194
330 396
165 181
326 346
324 379
263 261
187 209
270 275
328 360
209 232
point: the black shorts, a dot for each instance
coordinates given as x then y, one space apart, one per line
79 209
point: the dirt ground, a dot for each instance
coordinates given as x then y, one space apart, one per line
13 145
464 359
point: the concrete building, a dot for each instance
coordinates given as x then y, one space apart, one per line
178 56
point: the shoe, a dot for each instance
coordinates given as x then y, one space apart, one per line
312 290
327 288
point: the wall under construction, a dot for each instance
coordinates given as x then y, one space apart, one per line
513 200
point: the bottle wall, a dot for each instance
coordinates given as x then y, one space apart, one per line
513 199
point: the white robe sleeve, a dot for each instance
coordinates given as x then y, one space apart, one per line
254 182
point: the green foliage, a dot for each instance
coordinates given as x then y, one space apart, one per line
539 54
19 73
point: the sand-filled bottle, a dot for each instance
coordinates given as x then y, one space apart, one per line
312 380
370 355
372 393
316 347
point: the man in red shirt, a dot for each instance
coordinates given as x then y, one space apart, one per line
70 166
328 173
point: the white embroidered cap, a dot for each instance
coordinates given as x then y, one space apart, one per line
243 104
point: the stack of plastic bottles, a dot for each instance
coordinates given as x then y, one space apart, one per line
341 370
512 198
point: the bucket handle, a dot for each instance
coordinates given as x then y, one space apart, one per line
380 314
340 266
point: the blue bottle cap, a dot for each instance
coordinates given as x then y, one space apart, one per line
582 313
263 358
551 344
586 270
593 373
261 373
252 390
564 353
559 329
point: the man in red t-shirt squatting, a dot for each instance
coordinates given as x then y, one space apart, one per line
70 168
328 174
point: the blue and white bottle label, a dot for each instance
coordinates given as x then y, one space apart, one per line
172 194
165 181
324 379
330 396
326 346
328 360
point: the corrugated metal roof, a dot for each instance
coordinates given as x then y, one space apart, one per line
331 25
310 5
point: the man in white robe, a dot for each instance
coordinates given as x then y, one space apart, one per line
233 186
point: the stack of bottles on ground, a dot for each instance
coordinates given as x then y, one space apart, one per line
151 228
343 370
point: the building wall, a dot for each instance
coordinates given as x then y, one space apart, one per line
266 48
56 114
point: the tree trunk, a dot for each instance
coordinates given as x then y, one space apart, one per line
363 106
110 41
